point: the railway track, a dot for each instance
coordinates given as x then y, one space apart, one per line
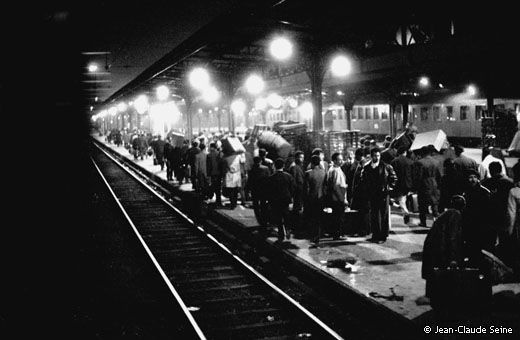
221 295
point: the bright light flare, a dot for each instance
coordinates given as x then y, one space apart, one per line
281 48
92 68
121 107
424 81
211 94
254 84
162 92
340 66
274 100
238 107
472 90
112 111
293 103
141 104
199 78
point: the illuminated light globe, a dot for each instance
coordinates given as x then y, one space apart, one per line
254 84
162 92
199 78
211 94
141 104
472 90
424 81
306 110
92 68
340 66
121 107
293 103
238 107
260 104
281 48
112 111
274 100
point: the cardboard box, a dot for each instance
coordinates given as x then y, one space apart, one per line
437 138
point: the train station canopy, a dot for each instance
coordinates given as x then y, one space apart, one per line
390 45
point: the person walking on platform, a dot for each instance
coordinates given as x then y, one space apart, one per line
257 183
336 194
158 150
181 169
499 186
427 175
232 177
359 199
135 146
296 170
314 193
190 157
143 145
476 228
349 167
200 170
323 164
463 164
378 178
403 170
169 159
214 164
281 191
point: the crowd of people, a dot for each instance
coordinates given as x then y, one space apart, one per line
475 206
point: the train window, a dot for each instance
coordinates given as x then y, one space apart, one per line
414 113
464 110
368 113
424 113
436 113
353 114
340 114
384 115
360 113
376 113
449 112
478 111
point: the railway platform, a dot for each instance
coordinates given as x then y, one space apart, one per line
387 275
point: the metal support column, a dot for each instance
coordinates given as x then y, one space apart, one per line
316 72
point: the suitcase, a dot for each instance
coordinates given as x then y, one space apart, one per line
232 145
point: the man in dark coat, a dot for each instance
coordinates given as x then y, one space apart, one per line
296 170
427 177
349 168
313 193
281 190
158 150
266 161
200 170
190 160
403 169
463 164
214 171
443 246
476 228
359 199
499 186
258 176
169 158
377 178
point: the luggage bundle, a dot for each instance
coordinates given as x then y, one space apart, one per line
274 144
232 145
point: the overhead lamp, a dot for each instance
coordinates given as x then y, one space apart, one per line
238 107
211 94
92 68
424 81
340 66
254 84
141 104
274 100
112 111
472 90
281 48
199 78
162 92
121 107
293 102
